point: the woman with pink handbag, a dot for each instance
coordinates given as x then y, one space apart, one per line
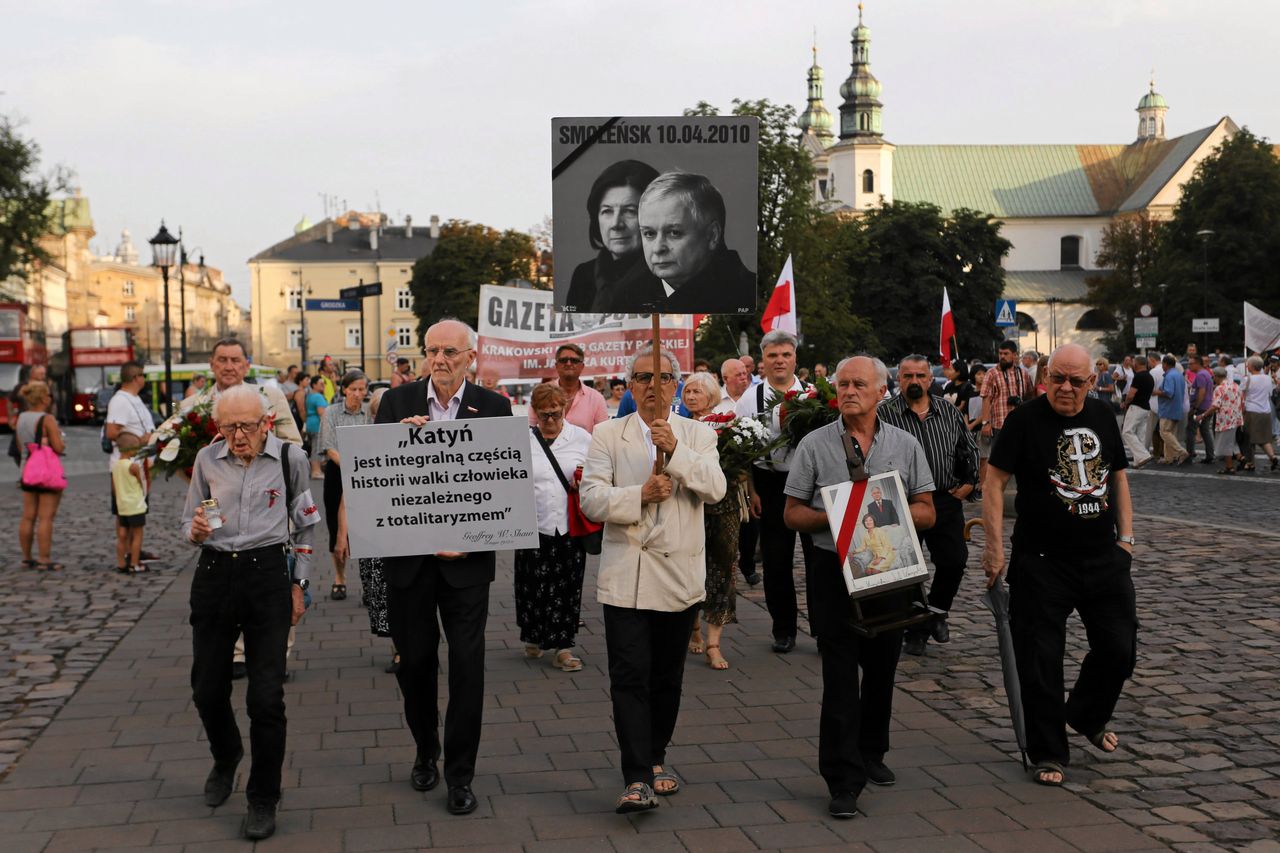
42 476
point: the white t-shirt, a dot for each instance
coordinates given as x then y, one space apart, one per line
570 449
1256 390
131 414
748 406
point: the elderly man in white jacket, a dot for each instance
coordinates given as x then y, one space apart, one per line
652 566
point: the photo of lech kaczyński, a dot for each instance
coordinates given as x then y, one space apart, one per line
669 219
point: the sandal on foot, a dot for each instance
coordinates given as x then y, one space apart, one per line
49 567
1100 740
1226 471
139 569
566 662
394 666
696 646
532 651
661 775
29 564
1041 772
637 798
717 661
338 592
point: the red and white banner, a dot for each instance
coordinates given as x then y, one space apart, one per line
947 344
520 331
780 313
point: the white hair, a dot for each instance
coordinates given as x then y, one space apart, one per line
241 394
473 340
882 372
648 351
707 383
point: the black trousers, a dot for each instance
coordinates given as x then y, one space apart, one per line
854 724
647 649
948 551
249 592
464 612
778 544
748 534
1205 428
1043 590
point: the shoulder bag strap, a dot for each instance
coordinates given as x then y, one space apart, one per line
551 457
288 480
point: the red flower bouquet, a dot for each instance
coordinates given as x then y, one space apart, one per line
804 411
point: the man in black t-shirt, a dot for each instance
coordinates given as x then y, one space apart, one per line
1072 550
1138 418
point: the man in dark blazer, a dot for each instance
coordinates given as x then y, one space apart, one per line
883 511
456 584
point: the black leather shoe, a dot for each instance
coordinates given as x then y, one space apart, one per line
424 776
784 645
260 822
914 644
939 630
222 778
843 806
752 579
238 670
877 773
461 800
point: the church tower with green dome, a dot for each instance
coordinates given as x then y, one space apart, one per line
1151 110
860 110
816 121
860 163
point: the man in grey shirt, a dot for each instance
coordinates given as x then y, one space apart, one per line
242 584
853 734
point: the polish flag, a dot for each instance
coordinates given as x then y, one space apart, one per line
780 313
947 336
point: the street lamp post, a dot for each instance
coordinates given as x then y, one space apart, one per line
163 247
1204 234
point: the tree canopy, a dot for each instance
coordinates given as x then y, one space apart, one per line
447 282
24 201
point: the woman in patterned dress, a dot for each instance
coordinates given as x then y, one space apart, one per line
548 579
723 521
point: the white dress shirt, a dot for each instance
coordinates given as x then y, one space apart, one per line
444 411
570 449
748 407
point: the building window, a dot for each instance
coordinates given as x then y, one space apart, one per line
1071 253
863 122
1096 320
404 299
404 336
353 337
130 313
295 337
294 295
868 181
128 288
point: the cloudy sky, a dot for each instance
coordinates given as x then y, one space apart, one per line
233 117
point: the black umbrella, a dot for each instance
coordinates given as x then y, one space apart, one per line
996 600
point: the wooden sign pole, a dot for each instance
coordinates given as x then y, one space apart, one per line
664 404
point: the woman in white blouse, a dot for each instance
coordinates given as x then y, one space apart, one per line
548 579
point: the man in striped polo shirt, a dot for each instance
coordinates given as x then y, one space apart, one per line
953 460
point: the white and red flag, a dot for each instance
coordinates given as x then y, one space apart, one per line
947 336
780 313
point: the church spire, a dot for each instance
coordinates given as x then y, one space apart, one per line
860 110
815 120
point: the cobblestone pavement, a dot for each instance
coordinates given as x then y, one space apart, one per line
121 765
56 627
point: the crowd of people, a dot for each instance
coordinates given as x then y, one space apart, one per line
639 460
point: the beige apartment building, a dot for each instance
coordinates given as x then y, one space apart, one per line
318 262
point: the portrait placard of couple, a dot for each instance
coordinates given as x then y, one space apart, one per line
885 550
655 214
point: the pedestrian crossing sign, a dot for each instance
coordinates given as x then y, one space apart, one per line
1006 312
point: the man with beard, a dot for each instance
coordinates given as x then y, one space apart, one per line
953 460
1072 550
1005 388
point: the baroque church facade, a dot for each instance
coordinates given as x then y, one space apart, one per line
1053 201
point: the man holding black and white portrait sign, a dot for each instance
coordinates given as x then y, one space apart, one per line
682 220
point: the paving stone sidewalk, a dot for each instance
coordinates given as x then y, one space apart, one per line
122 765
